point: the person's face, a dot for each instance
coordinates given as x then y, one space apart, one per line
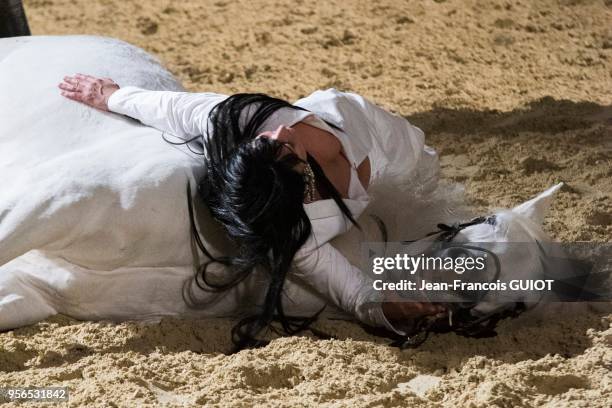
290 140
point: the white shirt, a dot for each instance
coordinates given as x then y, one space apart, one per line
393 145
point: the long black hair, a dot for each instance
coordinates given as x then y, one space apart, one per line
257 195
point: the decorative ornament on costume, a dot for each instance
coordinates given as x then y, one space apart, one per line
309 180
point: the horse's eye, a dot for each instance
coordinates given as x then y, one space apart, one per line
457 252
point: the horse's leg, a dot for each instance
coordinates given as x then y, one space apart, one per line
13 21
23 298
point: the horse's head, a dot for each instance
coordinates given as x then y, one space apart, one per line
515 246
515 237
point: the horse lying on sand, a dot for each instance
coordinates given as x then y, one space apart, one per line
94 205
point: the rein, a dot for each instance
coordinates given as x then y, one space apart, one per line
465 324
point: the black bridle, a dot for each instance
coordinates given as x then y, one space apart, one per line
463 322
448 232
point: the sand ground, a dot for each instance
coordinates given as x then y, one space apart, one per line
515 95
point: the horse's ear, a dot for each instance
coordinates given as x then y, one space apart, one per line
536 208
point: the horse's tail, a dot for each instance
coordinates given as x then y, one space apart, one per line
13 20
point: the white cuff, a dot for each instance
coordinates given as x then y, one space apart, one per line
382 320
370 312
114 101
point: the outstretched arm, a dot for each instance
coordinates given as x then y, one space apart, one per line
328 272
183 114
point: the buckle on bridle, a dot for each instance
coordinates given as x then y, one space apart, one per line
448 232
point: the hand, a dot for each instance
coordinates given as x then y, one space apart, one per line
396 309
89 90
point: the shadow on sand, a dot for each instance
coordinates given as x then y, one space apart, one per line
545 115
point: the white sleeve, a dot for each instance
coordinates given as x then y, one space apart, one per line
182 114
329 273
401 144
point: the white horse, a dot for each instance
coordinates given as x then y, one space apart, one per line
96 194
93 204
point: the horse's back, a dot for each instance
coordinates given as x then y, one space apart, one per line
92 181
37 123
50 57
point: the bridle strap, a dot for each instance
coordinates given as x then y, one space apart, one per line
449 232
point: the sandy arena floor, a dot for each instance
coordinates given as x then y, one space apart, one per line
515 95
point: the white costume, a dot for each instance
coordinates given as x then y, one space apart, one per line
93 219
394 147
